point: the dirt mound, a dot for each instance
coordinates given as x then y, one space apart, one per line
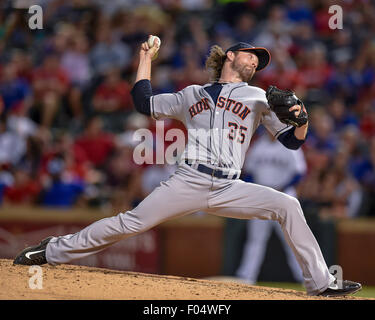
69 282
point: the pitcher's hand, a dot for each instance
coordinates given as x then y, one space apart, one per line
147 52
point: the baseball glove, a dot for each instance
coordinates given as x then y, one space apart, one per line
280 101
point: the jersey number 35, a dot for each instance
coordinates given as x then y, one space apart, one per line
236 131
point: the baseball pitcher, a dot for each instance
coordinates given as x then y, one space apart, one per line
221 118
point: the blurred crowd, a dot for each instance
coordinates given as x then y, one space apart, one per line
67 116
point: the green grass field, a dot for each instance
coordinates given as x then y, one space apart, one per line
366 292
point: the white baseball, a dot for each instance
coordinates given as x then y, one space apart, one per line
151 41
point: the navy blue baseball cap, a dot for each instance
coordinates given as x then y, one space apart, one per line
263 54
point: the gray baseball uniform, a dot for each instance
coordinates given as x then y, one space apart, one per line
219 136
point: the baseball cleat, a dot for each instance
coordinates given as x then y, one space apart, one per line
35 255
347 287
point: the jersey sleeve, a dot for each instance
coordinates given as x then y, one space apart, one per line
271 121
167 105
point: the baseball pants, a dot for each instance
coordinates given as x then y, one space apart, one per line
188 191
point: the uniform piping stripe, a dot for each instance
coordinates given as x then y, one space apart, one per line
212 116
212 112
222 135
152 108
282 131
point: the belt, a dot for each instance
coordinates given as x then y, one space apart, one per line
217 173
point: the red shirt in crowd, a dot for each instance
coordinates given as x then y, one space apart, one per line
322 25
77 165
45 81
314 76
287 79
96 148
113 97
367 126
24 193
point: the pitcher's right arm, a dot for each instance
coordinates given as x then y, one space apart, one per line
159 106
142 90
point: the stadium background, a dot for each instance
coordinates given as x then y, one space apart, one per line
67 120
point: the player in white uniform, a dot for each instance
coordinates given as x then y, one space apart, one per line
227 112
269 163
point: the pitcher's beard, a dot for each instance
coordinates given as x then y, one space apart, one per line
246 74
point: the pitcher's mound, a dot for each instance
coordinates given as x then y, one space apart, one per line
71 282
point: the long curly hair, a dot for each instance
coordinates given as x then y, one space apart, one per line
215 62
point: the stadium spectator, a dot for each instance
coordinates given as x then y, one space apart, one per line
19 122
303 38
59 40
96 144
276 29
23 62
12 146
50 85
367 124
340 194
113 94
6 180
15 91
321 20
25 190
322 137
60 190
76 161
341 117
75 62
245 28
315 70
298 11
282 73
108 53
31 161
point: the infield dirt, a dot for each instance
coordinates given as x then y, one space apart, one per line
70 282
